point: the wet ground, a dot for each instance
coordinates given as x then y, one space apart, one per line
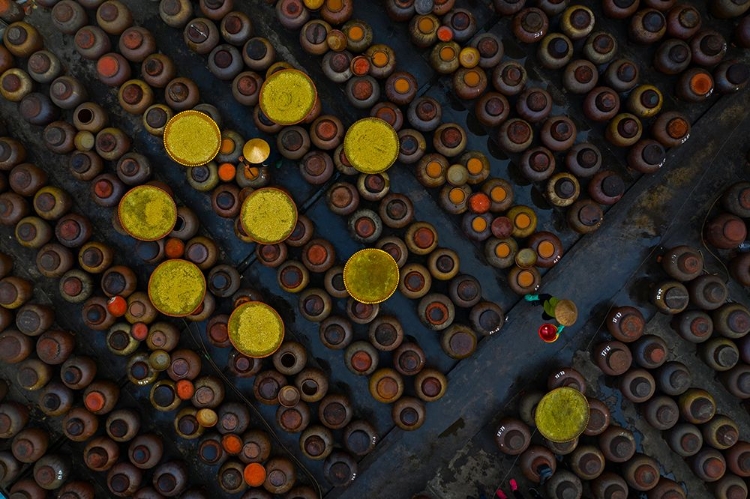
453 453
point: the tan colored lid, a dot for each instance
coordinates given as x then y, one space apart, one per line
566 312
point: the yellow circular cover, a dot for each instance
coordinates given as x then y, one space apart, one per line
192 138
287 96
562 414
566 312
371 276
256 151
177 288
268 215
147 213
255 329
371 145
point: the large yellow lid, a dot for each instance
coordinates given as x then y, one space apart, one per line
177 288
287 96
268 215
562 414
192 138
371 145
255 329
371 276
147 213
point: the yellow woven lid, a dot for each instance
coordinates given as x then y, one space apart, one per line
566 312
268 215
371 276
255 329
371 145
177 288
562 414
256 151
147 213
192 138
287 96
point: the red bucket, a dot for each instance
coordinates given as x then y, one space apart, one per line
548 333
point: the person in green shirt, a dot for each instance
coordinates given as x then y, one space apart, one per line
561 310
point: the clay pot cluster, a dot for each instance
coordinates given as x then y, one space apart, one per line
69 388
726 230
225 198
466 187
119 283
603 460
182 367
317 257
703 314
663 390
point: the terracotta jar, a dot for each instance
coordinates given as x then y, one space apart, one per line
101 453
661 412
530 25
580 76
709 464
587 462
51 471
14 418
537 460
682 263
609 486
360 438
122 425
697 406
55 399
720 433
670 297
613 358
683 21
647 26
649 351
512 437
555 51
509 78
637 385
737 381
673 378
641 472
79 424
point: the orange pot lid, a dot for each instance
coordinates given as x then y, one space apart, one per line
255 329
562 415
177 287
371 145
287 96
192 138
254 474
371 276
268 215
546 249
502 250
147 213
